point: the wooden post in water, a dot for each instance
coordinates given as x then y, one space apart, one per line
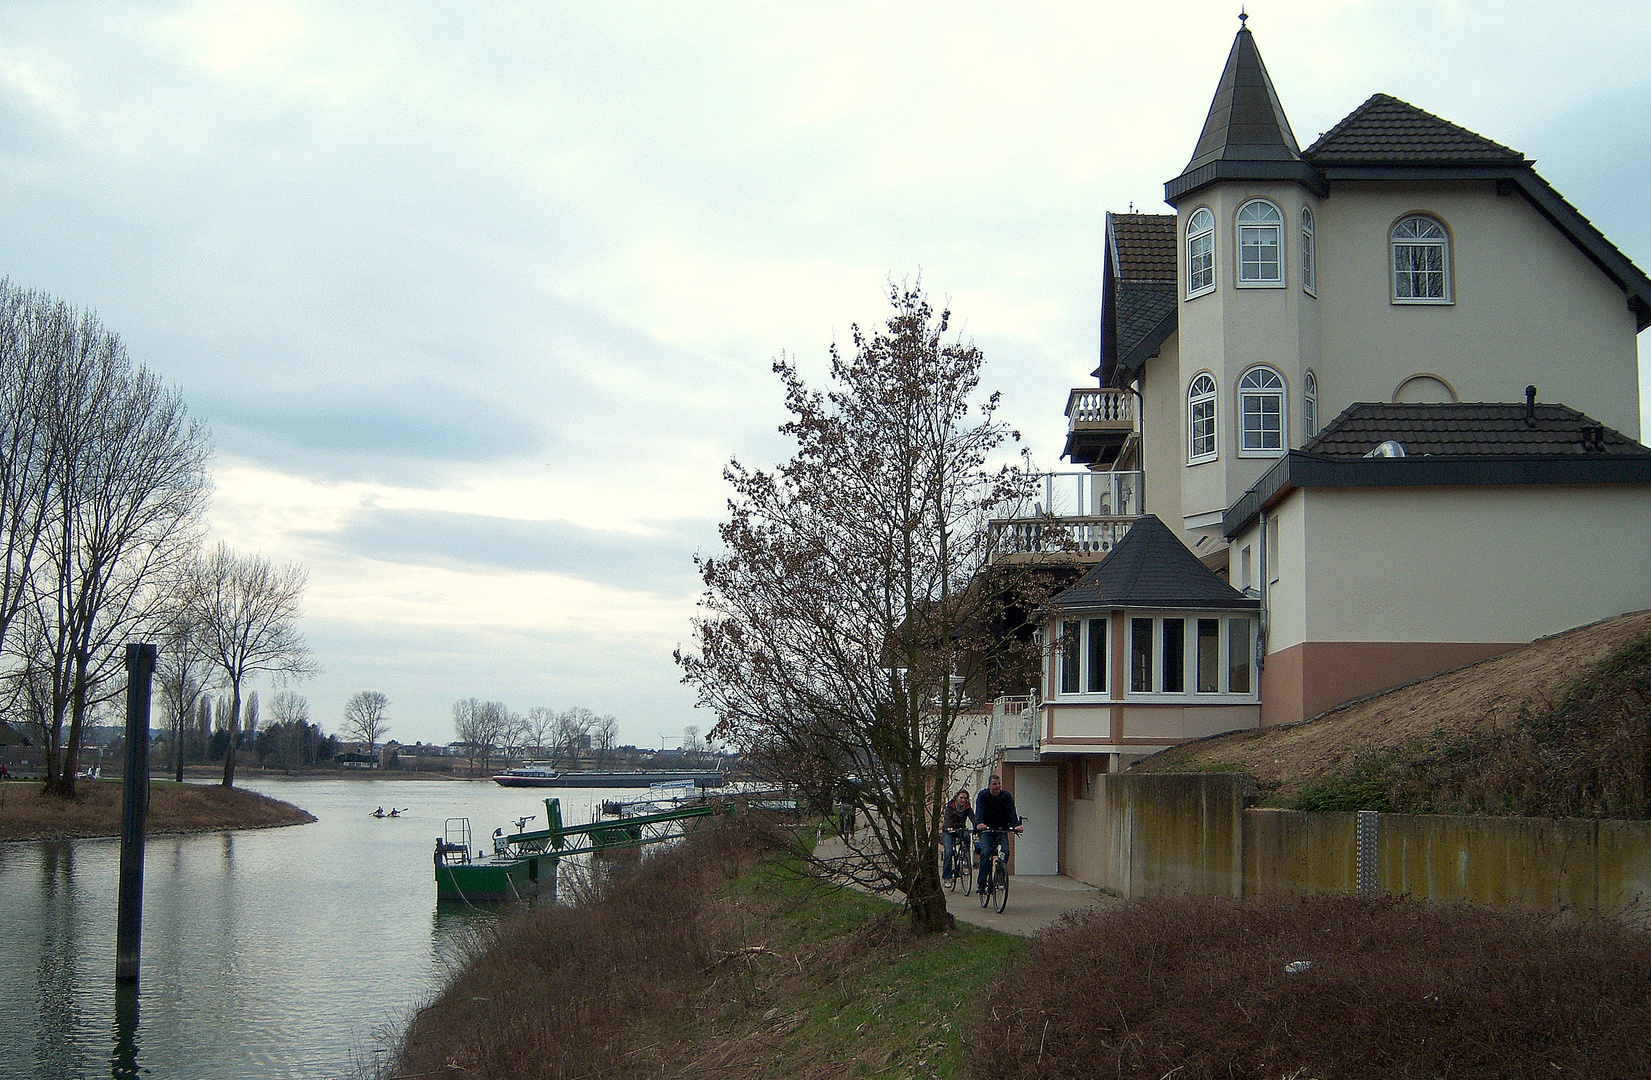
140 669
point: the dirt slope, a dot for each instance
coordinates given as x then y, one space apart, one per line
1487 694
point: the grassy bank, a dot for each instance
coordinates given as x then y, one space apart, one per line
27 814
714 961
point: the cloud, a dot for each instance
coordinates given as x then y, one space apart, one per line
660 560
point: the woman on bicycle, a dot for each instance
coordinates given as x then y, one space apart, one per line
959 816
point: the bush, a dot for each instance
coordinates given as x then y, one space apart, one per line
1198 989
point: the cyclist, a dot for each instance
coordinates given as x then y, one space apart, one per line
959 816
995 817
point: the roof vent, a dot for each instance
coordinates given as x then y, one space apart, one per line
1530 406
1593 438
1390 448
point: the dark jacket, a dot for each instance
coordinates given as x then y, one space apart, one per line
996 811
958 818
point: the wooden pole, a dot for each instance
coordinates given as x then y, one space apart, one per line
140 669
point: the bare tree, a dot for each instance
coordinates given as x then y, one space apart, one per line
541 727
32 332
183 668
290 722
572 726
128 483
249 715
603 737
833 626
249 613
367 717
479 725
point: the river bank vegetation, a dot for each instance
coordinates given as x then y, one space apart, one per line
722 957
28 813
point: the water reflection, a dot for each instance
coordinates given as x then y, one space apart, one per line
283 953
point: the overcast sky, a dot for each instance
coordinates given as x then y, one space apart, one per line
479 298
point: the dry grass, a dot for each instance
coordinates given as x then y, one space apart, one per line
27 814
1197 989
1484 698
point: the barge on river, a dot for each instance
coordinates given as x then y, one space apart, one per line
541 776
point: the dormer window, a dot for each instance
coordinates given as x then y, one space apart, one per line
1260 245
1421 262
1200 252
1261 413
1201 420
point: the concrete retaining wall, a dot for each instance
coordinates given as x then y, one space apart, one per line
1157 834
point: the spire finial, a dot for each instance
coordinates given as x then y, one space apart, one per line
1243 19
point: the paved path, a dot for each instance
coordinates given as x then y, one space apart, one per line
1034 903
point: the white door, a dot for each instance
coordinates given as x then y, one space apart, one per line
1037 799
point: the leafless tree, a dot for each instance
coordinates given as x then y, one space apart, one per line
33 332
367 717
289 714
249 715
572 727
541 728
603 737
128 483
183 668
249 610
480 725
835 622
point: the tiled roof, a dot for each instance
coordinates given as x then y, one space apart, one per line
1468 429
1144 246
1150 568
1142 308
1387 131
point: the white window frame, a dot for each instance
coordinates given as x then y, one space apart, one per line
1410 236
1309 405
1189 657
1200 400
1309 254
1082 639
1262 393
1256 221
1200 249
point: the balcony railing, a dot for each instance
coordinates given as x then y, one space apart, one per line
1014 726
1074 536
1081 512
1094 407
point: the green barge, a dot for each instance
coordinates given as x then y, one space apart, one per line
523 864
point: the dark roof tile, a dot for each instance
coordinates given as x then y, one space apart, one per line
1144 246
1151 568
1466 429
1387 131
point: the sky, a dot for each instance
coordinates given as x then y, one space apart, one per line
479 299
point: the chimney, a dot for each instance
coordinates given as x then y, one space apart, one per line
1530 406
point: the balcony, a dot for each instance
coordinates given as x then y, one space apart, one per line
1099 422
1082 514
1014 726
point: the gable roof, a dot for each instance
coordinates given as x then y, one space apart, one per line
1151 568
1138 292
1468 444
1387 131
1468 429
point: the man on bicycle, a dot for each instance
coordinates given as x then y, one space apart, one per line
994 816
959 816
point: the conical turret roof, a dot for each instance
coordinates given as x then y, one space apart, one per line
1151 568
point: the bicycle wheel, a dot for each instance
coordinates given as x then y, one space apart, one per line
950 864
986 889
967 861
1000 883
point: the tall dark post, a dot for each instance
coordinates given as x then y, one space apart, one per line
140 669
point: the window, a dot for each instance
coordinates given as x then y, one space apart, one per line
1082 656
1201 420
1140 655
1260 243
1309 272
1200 252
1310 405
1261 412
1069 656
1095 683
1212 652
1421 262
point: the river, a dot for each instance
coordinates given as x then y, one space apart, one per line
288 953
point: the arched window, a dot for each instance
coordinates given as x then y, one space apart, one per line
1260 244
1421 262
1309 272
1201 420
1261 412
1309 406
1200 252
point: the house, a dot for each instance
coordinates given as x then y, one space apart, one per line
1382 391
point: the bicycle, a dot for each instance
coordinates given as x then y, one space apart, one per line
960 864
995 881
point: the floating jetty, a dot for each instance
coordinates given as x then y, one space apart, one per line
540 776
